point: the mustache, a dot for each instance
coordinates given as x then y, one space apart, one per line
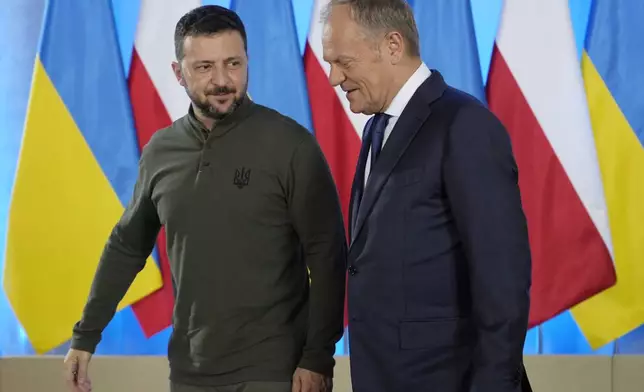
221 90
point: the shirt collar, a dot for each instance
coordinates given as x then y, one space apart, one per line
401 99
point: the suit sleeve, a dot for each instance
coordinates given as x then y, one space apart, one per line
317 218
124 255
481 181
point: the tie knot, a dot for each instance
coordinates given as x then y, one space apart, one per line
380 117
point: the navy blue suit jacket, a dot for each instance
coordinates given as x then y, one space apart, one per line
439 260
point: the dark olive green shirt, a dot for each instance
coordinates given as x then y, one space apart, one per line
246 206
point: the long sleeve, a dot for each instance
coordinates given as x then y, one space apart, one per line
481 180
315 211
124 255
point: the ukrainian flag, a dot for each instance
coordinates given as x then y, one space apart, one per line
76 171
612 65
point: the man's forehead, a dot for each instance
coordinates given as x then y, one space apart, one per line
338 32
225 38
214 45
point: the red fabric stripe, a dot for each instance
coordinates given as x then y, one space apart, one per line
153 312
570 260
333 129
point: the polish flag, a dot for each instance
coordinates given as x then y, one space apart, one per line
535 87
157 100
337 129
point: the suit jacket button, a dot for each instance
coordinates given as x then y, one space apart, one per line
352 270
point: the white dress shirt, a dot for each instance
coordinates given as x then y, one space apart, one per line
397 106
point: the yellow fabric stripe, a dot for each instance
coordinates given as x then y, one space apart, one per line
619 309
63 209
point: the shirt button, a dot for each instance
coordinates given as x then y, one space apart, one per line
353 270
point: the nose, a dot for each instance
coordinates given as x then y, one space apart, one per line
219 77
336 76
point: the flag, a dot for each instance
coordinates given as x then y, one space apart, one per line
536 89
337 129
612 65
157 100
448 43
76 172
268 22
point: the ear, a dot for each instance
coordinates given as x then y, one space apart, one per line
395 46
176 68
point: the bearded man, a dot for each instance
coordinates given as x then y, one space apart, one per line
251 213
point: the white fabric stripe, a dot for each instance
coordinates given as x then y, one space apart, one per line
536 40
155 45
315 41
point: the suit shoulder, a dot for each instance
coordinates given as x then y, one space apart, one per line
460 99
472 123
467 110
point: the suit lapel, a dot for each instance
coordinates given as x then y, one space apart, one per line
412 118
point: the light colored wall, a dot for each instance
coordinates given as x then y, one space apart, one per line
560 373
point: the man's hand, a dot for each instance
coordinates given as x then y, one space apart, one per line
76 364
308 381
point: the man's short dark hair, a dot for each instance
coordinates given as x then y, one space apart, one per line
204 21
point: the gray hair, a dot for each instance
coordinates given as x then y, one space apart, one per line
382 16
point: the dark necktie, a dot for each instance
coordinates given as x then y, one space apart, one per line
380 121
372 137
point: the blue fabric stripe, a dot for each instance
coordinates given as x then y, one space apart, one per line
276 79
579 17
486 15
614 43
87 71
448 43
631 343
126 16
531 345
303 10
223 3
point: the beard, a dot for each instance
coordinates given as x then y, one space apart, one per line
210 111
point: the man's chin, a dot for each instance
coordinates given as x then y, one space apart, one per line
356 108
222 109
217 115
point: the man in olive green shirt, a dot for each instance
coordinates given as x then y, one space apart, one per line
248 203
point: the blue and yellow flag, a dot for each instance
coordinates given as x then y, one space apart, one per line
276 71
76 171
612 65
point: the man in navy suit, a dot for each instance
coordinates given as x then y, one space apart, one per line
439 260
